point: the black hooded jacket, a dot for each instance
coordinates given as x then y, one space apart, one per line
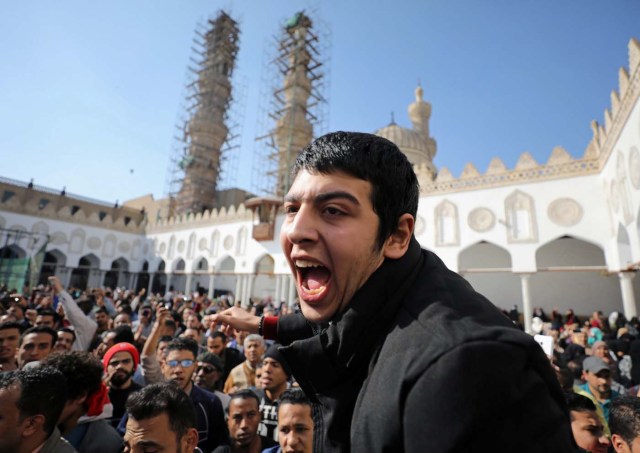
420 362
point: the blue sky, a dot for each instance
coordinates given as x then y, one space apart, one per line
91 90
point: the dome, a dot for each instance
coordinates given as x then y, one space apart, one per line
405 139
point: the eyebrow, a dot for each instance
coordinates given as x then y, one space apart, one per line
323 197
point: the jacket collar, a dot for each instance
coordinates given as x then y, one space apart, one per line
346 347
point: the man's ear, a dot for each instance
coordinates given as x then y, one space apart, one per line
31 425
190 440
619 444
397 244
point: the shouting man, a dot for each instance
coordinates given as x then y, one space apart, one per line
386 327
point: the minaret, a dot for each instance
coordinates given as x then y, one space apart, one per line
293 129
205 132
419 114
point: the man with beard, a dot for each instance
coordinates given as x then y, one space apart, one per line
120 363
597 388
178 366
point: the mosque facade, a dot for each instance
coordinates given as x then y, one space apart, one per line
564 233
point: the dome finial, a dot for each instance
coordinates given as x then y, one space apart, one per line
419 92
393 120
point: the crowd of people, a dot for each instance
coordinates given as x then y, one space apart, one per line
597 361
390 350
118 369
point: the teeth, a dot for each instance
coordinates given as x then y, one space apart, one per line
304 263
313 292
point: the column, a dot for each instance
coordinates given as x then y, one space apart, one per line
526 302
628 298
133 280
291 299
168 284
238 293
65 277
276 296
150 287
212 281
251 281
100 276
187 286
245 291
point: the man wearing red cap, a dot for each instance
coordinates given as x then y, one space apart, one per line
120 363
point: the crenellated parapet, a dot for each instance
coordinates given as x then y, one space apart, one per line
560 164
38 201
188 221
605 135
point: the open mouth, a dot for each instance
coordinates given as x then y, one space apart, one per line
314 277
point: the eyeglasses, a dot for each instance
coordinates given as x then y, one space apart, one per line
206 369
183 363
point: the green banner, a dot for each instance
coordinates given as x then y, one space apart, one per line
35 266
13 272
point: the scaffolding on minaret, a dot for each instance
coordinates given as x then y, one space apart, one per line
206 138
295 90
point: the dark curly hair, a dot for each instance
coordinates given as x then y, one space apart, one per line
43 391
394 185
167 397
82 371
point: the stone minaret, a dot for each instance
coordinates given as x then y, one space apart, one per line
293 129
419 114
206 132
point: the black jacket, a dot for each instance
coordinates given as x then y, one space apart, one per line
420 362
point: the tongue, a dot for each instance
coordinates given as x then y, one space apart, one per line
317 277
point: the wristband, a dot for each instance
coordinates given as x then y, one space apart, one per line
260 325
270 327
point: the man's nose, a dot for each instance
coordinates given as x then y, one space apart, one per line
302 227
604 440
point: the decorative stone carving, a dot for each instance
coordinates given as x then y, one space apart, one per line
124 247
520 217
228 242
444 175
145 249
420 225
41 228
496 167
565 212
241 243
58 238
481 220
181 246
559 155
614 197
526 161
634 167
202 245
109 247
94 243
469 172
447 228
162 248
76 242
